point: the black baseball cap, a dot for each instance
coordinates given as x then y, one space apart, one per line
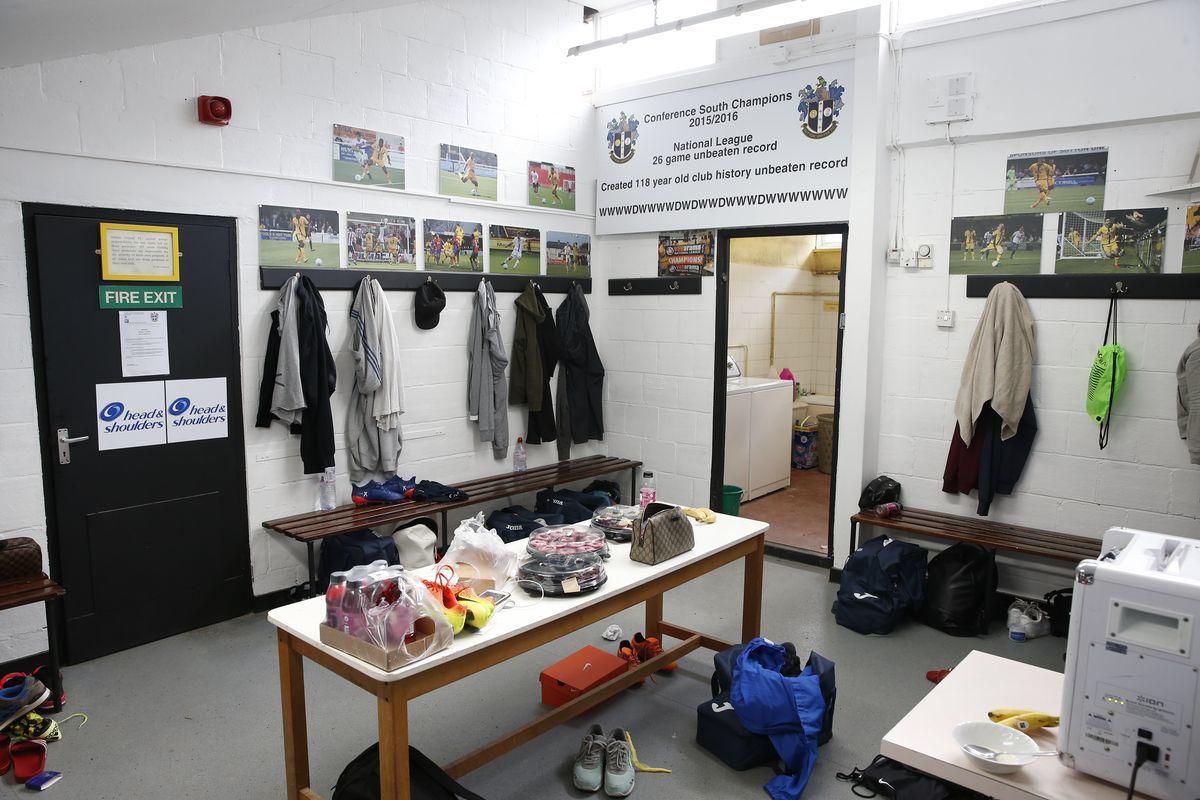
428 305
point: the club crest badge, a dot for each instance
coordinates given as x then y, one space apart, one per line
622 136
819 108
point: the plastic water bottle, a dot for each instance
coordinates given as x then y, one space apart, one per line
519 463
327 490
648 493
333 599
354 609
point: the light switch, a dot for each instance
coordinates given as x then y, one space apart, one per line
945 318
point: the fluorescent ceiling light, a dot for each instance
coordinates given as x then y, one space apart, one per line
747 17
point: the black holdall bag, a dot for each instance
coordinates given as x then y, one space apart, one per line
721 732
340 553
1059 602
427 781
886 778
881 490
960 593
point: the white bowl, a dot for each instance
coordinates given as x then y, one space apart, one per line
1015 745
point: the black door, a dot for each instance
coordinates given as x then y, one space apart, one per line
149 540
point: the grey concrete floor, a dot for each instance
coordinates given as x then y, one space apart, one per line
197 715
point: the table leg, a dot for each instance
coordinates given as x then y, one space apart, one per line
393 743
752 591
312 568
52 639
654 615
295 723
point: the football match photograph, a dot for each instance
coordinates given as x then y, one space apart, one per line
1008 244
686 253
568 254
463 172
374 240
453 246
297 237
514 250
1127 240
1055 180
551 185
368 158
1191 240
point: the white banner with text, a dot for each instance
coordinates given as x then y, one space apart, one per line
760 151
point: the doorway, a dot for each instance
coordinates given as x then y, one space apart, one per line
780 304
146 510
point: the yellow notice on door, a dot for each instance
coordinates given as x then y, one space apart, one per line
830 305
139 252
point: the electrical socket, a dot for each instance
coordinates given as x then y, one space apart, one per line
945 318
894 255
909 260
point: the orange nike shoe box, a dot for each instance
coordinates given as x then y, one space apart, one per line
579 672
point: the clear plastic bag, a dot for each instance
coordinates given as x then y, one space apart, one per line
479 556
392 610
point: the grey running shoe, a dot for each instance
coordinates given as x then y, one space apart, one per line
19 699
588 774
618 766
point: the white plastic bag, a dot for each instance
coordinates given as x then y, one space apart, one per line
404 616
477 553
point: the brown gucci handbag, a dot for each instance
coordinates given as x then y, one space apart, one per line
20 559
662 532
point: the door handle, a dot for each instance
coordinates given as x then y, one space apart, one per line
64 445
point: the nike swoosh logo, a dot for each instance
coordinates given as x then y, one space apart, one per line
722 707
864 596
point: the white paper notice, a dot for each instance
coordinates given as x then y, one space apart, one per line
130 415
144 348
197 409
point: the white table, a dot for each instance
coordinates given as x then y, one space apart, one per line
511 632
980 683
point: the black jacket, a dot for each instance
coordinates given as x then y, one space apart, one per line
318 378
542 426
1002 462
581 375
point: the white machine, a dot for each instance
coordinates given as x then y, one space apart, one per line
1133 665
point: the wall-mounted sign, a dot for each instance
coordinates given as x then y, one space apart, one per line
139 252
197 409
137 297
130 415
144 348
760 151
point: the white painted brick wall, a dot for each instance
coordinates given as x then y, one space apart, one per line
392 70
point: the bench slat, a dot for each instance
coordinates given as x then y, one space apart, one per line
1001 536
314 525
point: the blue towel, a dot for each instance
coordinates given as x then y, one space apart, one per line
787 710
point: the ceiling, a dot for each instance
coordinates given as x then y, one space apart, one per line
40 30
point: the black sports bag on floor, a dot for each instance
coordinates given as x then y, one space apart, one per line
960 591
360 779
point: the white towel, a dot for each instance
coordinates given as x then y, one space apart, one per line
999 365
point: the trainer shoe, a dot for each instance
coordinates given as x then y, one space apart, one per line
19 699
34 726
618 766
373 492
649 647
588 774
16 677
401 486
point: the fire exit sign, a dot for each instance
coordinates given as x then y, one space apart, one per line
131 297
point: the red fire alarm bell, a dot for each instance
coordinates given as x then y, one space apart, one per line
214 110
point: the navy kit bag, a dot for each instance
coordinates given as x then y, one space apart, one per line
882 583
340 553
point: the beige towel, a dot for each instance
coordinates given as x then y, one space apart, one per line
999 363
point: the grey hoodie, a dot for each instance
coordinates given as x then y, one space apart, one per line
487 390
1188 400
287 400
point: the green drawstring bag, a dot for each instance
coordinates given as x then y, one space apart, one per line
1106 376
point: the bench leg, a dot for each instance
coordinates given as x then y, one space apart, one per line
312 568
444 534
633 487
52 638
853 537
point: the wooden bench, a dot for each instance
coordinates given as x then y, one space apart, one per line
22 592
313 526
997 535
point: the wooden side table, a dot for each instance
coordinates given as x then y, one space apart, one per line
41 589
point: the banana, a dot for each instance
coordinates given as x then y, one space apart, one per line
705 516
1023 719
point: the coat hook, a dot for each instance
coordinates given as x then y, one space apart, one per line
628 287
1119 288
673 285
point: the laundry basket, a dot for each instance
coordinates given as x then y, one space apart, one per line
825 443
804 444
